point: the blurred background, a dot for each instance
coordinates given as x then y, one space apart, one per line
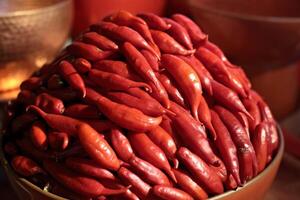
263 36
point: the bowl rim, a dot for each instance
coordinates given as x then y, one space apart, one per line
276 159
272 19
57 5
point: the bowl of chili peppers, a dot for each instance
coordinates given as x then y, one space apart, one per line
141 107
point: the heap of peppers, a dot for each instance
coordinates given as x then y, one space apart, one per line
139 107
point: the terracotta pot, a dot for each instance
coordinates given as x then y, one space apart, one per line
254 190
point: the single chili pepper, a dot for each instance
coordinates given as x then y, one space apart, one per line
253 110
167 125
129 118
82 65
171 88
154 21
219 70
89 168
22 122
240 74
201 172
148 172
31 84
123 34
166 193
179 33
82 111
244 121
25 166
245 150
58 141
186 183
10 149
272 139
149 151
111 81
138 186
55 82
228 98
203 74
99 41
99 125
68 72
151 59
77 183
26 97
121 144
88 51
186 78
216 50
57 122
226 146
38 137
142 67
164 141
220 170
169 45
65 94
147 106
28 149
97 147
196 34
230 183
260 145
49 103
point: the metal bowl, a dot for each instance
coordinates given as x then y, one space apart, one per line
253 190
31 34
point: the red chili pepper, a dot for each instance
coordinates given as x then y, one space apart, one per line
148 172
58 141
32 83
57 122
151 59
75 150
99 41
147 106
260 145
61 191
179 33
68 72
240 74
228 98
82 111
128 195
186 78
25 166
111 81
22 122
219 70
253 110
123 34
164 141
220 170
201 172
77 183
169 45
129 118
244 121
167 125
149 151
89 168
186 183
226 146
82 65
230 183
245 150
203 74
196 34
166 193
97 147
55 82
154 21
121 144
99 125
27 148
171 88
26 97
138 186
37 134
10 149
49 103
88 51
142 67
65 94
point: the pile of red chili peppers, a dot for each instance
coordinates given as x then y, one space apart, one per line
139 107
